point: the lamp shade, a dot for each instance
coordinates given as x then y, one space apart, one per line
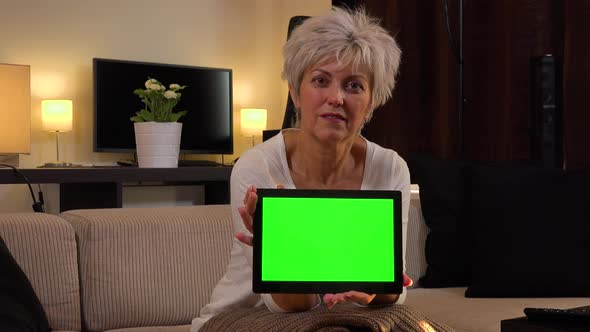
56 115
253 121
15 109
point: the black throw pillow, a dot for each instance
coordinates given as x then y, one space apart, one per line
20 309
442 200
530 233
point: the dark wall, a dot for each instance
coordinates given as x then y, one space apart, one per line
500 37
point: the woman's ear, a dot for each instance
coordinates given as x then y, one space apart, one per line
294 96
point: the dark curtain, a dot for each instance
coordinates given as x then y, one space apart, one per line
423 114
576 50
500 38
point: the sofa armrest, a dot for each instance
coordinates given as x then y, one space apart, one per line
416 241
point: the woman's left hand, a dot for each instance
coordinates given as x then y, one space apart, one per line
354 296
351 296
247 214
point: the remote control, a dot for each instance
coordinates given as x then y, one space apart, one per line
581 314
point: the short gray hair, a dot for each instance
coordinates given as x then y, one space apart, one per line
350 37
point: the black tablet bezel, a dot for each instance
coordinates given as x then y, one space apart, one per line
322 287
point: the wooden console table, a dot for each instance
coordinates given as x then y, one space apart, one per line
101 187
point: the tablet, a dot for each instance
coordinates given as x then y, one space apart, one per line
327 241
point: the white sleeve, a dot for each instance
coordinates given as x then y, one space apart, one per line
389 171
403 173
397 178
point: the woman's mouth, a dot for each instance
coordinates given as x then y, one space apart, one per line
333 117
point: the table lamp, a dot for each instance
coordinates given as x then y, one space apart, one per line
56 116
252 121
15 112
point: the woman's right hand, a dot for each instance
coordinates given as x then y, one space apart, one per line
247 214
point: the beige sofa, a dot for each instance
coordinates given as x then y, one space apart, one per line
153 269
122 269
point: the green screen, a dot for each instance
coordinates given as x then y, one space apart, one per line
327 239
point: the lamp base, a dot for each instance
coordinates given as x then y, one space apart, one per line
10 159
58 164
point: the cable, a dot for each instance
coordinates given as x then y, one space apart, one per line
37 206
450 34
40 195
457 50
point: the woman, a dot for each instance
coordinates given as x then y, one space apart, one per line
340 66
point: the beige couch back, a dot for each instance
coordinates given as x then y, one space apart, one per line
149 267
44 246
138 267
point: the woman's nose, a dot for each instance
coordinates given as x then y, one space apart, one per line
335 96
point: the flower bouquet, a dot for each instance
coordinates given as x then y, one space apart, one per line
158 102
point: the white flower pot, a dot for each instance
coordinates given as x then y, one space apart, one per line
158 143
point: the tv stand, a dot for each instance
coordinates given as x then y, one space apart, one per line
203 163
102 187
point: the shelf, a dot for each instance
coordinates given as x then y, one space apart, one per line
101 187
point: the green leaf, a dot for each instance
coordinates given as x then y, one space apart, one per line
147 116
175 116
136 119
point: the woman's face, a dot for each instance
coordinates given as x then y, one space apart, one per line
333 101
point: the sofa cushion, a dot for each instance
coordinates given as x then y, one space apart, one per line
530 230
20 309
442 200
44 246
149 267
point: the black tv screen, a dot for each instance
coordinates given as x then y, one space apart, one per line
207 126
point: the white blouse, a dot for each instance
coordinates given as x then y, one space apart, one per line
265 166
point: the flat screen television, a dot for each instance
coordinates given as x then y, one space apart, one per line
207 126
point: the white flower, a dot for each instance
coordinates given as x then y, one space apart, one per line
156 87
159 102
170 94
149 83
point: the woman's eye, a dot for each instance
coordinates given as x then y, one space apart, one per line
355 86
320 80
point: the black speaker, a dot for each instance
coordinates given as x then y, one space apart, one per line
268 134
352 4
546 131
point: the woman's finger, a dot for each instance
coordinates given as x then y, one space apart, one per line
251 203
248 191
407 280
246 219
244 238
332 299
360 297
352 296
